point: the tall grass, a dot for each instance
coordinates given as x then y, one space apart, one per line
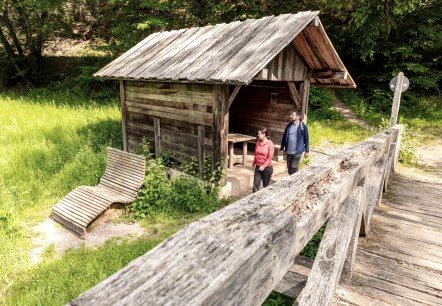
48 146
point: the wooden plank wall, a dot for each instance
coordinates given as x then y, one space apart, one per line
180 108
286 66
253 109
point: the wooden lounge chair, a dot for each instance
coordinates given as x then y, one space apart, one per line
119 185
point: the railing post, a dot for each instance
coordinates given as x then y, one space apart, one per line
326 271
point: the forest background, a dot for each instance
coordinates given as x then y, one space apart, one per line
375 39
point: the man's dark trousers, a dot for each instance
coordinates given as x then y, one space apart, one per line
293 162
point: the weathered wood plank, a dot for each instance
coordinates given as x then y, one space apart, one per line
123 114
193 51
401 293
157 133
274 45
201 150
407 275
362 296
204 55
220 125
304 94
121 61
326 271
408 227
295 279
295 96
223 50
233 94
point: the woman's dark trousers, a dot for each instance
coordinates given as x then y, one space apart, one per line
264 176
292 163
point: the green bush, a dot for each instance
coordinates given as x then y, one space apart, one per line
320 101
189 194
411 138
185 192
156 187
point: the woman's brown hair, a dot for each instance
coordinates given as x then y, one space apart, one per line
265 132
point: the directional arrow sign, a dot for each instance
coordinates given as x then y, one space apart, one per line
405 85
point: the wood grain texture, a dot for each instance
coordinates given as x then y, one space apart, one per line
329 261
120 183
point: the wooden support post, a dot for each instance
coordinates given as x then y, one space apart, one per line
400 129
329 261
231 155
233 95
304 93
123 115
294 95
220 124
157 135
244 152
347 270
201 150
396 99
373 185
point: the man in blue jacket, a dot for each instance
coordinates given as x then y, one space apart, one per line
295 141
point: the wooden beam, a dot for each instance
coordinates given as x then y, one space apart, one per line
335 75
326 271
201 150
234 93
314 22
220 127
157 135
123 114
304 93
294 95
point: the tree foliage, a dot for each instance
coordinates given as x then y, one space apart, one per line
376 39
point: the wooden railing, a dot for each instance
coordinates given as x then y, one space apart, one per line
237 255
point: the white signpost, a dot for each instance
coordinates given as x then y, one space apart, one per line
398 85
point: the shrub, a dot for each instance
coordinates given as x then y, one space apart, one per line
155 188
189 194
320 101
408 152
185 192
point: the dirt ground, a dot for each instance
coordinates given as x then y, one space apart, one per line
49 232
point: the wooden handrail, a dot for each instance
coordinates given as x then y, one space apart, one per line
237 255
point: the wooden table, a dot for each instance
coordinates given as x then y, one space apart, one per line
235 137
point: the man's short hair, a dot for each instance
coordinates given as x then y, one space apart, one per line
300 115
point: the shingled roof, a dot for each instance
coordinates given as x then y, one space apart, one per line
231 53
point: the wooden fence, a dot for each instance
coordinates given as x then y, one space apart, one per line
237 255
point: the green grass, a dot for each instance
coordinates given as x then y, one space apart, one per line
49 144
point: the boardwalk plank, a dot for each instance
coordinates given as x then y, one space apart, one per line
410 276
398 290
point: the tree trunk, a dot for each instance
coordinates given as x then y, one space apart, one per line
388 8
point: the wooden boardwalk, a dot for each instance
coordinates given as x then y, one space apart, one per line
400 262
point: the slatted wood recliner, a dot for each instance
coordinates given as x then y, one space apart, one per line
120 183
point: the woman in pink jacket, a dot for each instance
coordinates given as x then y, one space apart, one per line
262 162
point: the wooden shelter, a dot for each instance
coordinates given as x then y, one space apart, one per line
186 90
